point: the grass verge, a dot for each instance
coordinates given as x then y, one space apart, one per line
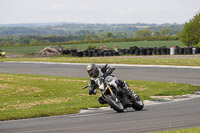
29 96
114 60
187 130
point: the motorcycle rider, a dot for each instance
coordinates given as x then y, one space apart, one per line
96 72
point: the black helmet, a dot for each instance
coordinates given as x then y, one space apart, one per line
92 70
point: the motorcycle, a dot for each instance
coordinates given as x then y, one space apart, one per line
115 96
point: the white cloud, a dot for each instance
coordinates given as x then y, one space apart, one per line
57 6
125 12
53 7
86 8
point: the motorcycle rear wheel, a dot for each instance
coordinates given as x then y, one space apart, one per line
117 106
138 104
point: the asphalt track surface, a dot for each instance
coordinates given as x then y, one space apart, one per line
170 115
127 72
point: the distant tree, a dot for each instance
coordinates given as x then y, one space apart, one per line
190 35
165 32
156 34
102 36
109 34
121 35
88 37
34 41
143 33
25 40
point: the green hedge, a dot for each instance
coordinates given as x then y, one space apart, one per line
104 41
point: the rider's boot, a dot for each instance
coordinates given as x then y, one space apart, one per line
129 91
124 85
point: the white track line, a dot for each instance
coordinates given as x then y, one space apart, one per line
122 65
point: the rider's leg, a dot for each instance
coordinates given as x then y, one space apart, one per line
124 85
101 100
128 90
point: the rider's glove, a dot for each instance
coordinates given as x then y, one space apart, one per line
109 71
92 90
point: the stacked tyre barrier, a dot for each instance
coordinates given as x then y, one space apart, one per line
135 51
148 51
185 51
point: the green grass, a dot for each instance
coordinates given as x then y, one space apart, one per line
29 96
114 60
187 130
31 49
110 60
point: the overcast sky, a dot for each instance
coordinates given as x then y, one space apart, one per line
98 11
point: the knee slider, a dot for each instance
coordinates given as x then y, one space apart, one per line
120 83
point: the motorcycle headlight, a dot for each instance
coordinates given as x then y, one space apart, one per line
101 87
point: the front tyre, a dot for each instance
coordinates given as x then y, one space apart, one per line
138 104
114 103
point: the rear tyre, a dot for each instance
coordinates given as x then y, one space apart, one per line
114 103
138 104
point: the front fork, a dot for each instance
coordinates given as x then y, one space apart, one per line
112 94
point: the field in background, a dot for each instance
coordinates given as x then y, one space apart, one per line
33 49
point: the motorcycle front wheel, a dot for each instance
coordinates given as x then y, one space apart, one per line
114 103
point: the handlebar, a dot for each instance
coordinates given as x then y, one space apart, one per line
85 87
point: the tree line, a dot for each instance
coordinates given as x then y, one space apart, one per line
82 29
37 34
190 35
54 40
109 40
